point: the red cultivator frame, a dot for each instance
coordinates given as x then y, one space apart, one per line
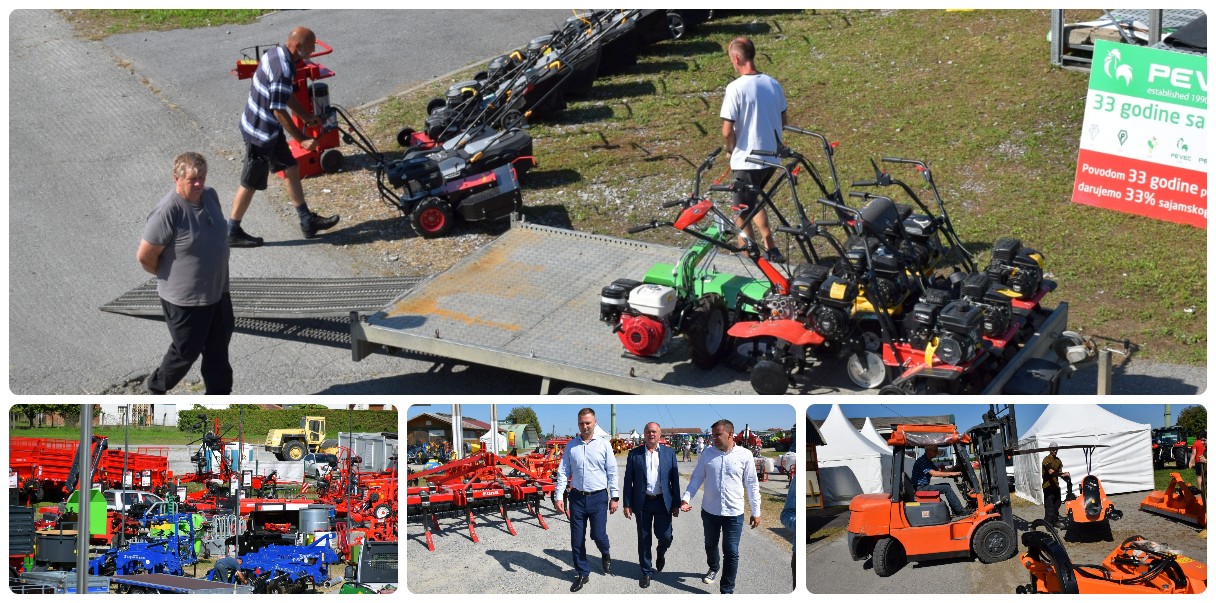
478 484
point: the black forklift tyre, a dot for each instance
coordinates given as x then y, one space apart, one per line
332 161
706 332
888 557
994 542
432 218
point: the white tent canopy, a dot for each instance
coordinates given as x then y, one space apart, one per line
871 434
849 464
1124 465
501 440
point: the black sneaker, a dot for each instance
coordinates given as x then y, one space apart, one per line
240 238
316 224
775 256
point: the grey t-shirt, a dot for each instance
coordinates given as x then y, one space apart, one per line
194 266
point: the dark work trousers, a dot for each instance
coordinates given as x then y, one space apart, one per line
730 529
583 510
654 519
197 331
1051 504
956 506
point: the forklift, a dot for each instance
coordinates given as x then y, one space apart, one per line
908 525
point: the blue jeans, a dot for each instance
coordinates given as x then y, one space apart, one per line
730 528
956 506
583 510
654 518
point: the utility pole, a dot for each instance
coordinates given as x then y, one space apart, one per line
612 421
457 432
84 453
1167 416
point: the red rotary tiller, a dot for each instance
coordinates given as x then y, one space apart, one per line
477 484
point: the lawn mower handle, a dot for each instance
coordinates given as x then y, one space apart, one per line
645 227
758 161
865 183
722 188
675 202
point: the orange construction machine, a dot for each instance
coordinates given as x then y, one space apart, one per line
907 525
1137 566
1092 510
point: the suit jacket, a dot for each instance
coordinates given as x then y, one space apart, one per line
634 490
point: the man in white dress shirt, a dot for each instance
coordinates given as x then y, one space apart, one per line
726 471
589 467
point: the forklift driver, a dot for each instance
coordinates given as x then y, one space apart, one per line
923 471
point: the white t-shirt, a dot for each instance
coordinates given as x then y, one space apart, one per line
755 103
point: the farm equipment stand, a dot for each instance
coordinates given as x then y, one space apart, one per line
535 295
476 484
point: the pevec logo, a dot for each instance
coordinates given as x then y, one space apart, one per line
1114 60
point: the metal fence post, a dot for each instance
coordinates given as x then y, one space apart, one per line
1104 373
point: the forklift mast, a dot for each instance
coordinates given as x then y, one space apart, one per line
993 442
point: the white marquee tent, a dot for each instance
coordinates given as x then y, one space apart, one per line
1125 465
501 439
849 464
872 434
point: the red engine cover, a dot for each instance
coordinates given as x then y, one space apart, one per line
641 335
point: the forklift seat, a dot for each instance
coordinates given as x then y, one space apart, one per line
911 494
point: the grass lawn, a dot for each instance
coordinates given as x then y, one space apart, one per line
1161 477
970 92
101 23
148 435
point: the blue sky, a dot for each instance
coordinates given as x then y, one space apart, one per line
968 415
634 416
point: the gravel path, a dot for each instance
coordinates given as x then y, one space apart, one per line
538 561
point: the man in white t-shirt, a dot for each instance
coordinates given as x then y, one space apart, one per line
753 113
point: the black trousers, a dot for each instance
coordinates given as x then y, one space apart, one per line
197 331
1051 504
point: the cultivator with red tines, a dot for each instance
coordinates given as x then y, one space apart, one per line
479 484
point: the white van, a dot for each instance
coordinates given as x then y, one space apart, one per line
117 500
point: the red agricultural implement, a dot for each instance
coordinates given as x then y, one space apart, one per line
49 465
478 484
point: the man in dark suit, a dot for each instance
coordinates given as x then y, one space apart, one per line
652 479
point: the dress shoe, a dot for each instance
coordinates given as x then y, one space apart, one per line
645 581
578 583
607 564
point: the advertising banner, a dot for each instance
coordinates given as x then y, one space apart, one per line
1143 140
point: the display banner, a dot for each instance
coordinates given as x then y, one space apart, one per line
1143 142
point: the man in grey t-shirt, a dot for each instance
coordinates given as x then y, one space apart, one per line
185 244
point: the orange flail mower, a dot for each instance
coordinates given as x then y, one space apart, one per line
1180 501
1137 566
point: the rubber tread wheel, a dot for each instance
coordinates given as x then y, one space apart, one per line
435 104
332 161
706 333
293 451
432 217
994 542
403 137
888 556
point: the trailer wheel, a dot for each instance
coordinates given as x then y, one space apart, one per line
994 541
332 161
888 557
432 217
293 450
706 332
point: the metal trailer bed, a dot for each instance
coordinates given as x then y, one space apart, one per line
162 583
529 302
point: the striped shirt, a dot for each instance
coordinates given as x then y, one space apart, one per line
273 84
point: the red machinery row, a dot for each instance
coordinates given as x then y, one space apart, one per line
483 482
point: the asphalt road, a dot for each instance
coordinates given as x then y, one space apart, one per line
539 561
93 129
831 570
